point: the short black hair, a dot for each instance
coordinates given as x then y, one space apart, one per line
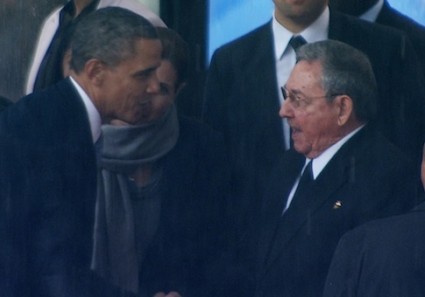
108 34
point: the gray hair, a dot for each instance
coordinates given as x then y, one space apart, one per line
108 34
345 71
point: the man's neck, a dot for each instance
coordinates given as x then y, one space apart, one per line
297 24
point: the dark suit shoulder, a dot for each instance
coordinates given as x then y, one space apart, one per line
248 39
380 258
358 33
242 48
45 114
393 18
394 227
415 31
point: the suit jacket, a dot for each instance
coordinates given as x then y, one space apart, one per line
192 224
388 16
367 178
48 195
242 100
381 258
48 179
51 24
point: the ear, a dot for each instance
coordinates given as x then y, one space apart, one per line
95 71
66 68
345 109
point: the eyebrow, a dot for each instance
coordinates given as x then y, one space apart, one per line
295 92
146 71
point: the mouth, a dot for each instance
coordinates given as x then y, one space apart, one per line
295 132
145 102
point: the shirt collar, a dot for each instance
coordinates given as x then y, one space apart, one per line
93 114
372 13
317 31
323 159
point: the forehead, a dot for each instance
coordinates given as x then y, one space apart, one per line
305 75
147 54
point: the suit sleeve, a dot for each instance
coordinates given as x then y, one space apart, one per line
346 266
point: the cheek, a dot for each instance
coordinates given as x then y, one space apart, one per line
312 127
161 105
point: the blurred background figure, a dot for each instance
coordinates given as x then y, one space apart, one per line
383 258
165 178
19 24
50 59
381 12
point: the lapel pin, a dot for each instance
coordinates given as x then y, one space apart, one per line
337 205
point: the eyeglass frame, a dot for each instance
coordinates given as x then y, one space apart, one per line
296 102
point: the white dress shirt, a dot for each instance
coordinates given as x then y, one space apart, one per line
285 55
372 13
93 115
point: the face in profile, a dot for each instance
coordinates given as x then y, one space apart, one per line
127 90
312 118
159 102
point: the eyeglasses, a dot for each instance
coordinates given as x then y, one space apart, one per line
298 101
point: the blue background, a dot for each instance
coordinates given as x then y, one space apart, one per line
229 19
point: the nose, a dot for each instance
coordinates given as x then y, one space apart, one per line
153 84
285 110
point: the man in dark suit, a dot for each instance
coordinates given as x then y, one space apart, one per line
48 160
242 91
381 12
355 174
381 258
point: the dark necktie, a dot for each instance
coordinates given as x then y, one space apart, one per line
296 41
306 178
300 198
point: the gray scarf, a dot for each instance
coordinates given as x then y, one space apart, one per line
125 148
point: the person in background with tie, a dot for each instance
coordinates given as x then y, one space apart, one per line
242 95
381 12
340 173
